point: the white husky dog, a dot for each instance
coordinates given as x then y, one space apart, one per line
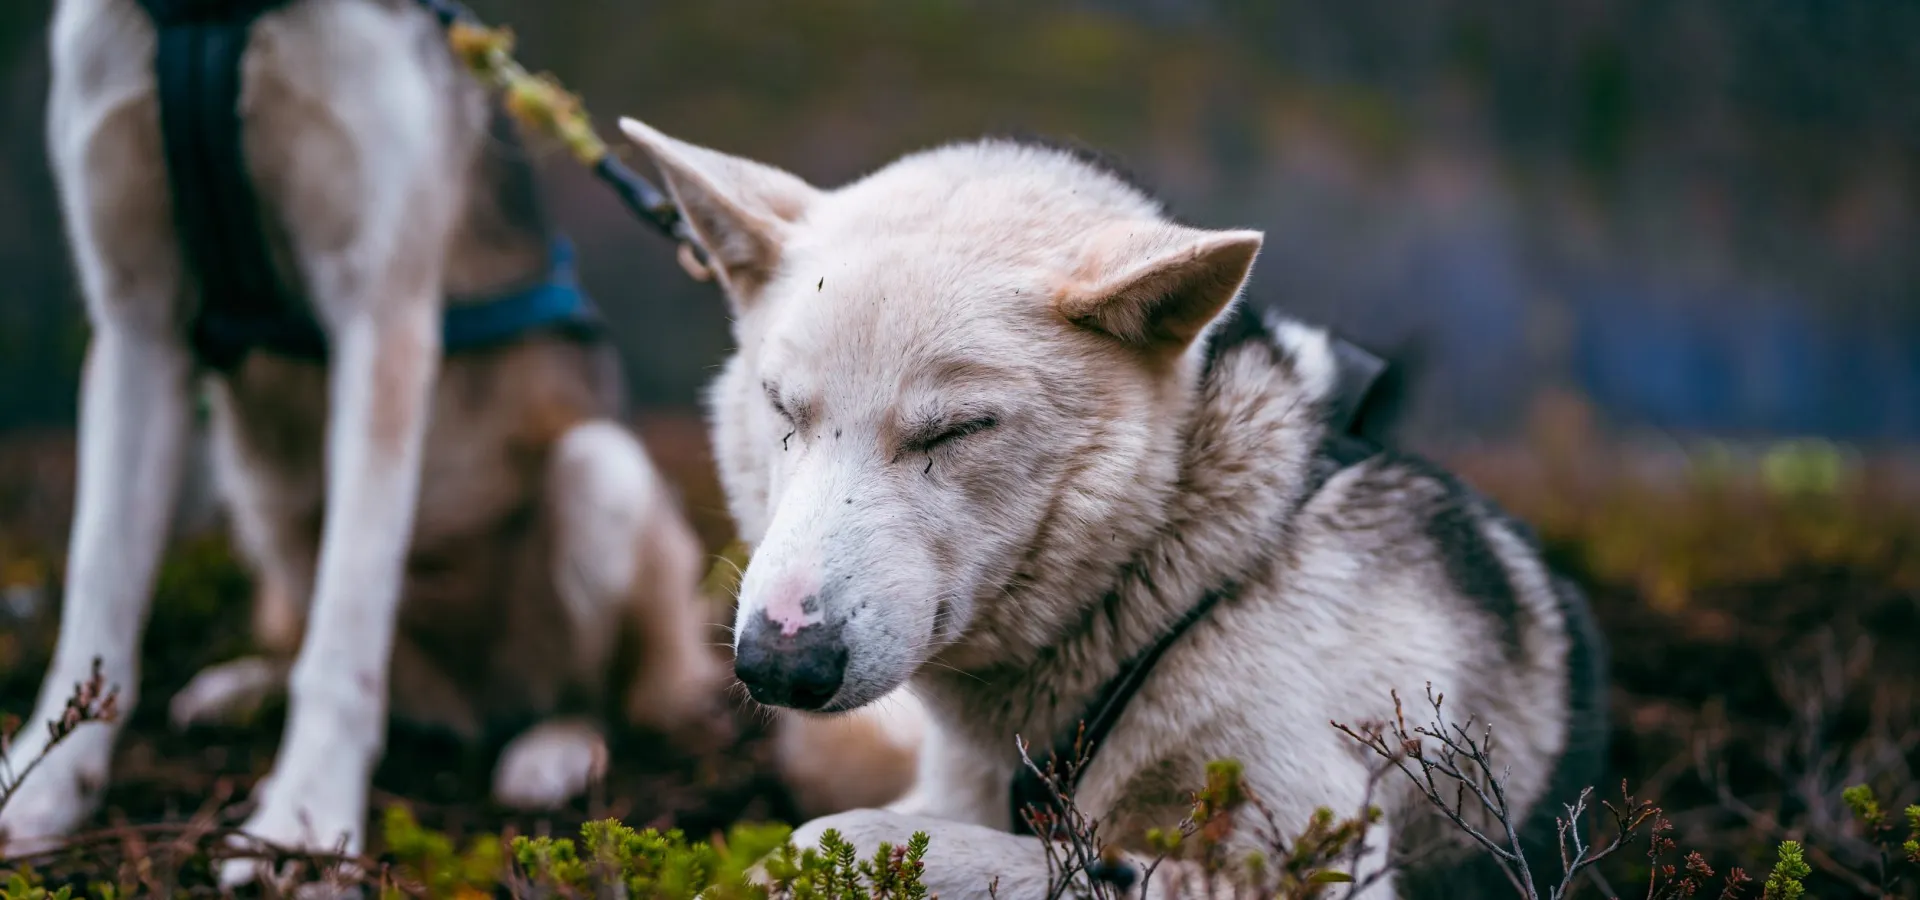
996 427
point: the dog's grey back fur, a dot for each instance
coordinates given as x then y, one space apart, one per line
1457 520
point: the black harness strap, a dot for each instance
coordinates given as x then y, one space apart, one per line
1030 797
197 65
1030 794
243 304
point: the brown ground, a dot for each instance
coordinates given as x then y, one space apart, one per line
1765 646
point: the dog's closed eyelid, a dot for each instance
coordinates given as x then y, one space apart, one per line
928 437
792 416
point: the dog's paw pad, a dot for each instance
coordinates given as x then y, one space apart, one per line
549 765
226 693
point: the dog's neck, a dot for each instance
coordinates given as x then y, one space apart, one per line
1243 451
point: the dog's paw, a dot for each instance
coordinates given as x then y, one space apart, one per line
549 765
299 812
230 692
58 795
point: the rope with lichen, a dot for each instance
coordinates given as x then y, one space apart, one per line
540 102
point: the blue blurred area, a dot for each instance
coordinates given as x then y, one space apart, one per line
1743 362
1701 217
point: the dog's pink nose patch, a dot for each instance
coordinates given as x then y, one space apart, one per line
794 603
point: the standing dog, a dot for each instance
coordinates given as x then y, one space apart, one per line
997 428
473 543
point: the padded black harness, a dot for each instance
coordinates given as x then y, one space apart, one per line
1030 797
243 304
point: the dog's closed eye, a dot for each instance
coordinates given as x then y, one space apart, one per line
773 399
939 434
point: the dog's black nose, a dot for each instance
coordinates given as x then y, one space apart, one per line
802 670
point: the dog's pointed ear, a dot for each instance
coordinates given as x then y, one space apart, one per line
739 210
1156 286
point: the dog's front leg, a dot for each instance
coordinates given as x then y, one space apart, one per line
382 369
974 862
963 861
133 430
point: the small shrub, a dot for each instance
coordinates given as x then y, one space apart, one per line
92 701
426 861
1784 883
22 885
610 856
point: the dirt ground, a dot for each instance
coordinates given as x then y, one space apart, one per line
1765 654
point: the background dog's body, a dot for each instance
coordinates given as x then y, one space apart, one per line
1000 446
544 538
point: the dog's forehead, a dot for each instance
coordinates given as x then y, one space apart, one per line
953 253
896 330
980 205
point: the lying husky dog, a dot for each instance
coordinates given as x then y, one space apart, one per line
282 195
997 427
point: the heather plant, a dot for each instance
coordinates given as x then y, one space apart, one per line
609 856
1785 794
1289 861
1451 765
92 701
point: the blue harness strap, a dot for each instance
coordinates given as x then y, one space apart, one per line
243 305
556 303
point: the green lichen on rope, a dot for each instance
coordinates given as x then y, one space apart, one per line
541 103
538 100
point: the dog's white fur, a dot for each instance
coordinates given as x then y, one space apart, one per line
368 147
1089 477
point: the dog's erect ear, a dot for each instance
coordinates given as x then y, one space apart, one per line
1155 285
739 209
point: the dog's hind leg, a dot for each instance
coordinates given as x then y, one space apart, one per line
134 401
550 764
270 518
626 559
623 560
228 692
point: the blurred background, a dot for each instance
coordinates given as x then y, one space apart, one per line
1700 217
1651 267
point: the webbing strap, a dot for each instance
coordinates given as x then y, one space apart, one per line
217 216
